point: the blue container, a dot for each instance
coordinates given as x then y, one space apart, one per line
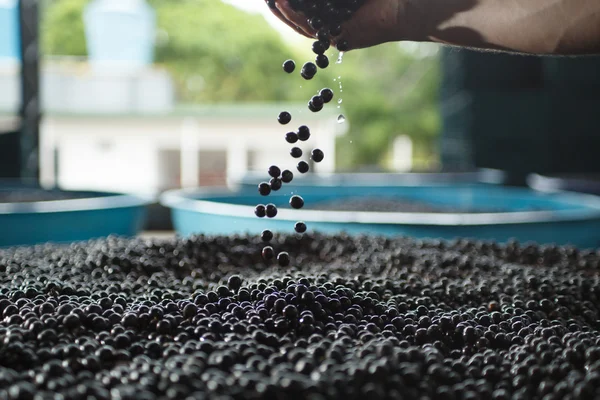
9 30
90 215
563 218
120 32
251 180
581 183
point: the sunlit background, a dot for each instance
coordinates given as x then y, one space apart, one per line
148 96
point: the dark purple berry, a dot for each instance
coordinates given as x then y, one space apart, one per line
274 171
291 137
300 227
343 45
317 101
260 211
234 282
284 118
268 253
323 35
317 155
275 184
264 189
283 259
319 47
335 30
287 176
309 70
303 133
289 66
326 94
296 152
271 210
314 108
302 167
316 23
296 202
322 61
266 235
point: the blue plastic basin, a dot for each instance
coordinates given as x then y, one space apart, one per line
91 215
561 218
381 179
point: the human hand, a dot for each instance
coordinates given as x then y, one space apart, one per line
376 22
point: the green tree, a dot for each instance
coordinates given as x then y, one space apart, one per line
62 31
390 92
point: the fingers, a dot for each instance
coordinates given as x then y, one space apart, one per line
289 23
298 19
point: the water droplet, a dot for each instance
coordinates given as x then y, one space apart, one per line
340 101
335 79
351 142
341 119
340 58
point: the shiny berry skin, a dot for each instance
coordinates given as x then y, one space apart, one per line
317 101
275 184
271 210
268 253
302 167
303 133
335 30
316 23
317 155
322 61
309 70
291 137
345 14
264 189
296 202
284 118
326 94
296 152
323 35
271 4
289 66
283 259
260 211
319 47
300 227
313 107
287 176
266 235
343 45
274 171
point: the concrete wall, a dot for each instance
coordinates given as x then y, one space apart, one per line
137 154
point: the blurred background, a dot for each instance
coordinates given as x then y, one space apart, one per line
143 96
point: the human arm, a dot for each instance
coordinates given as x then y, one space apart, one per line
525 26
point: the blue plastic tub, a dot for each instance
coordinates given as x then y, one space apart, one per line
562 218
90 215
580 183
376 179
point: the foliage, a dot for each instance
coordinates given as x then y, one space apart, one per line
62 31
391 92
